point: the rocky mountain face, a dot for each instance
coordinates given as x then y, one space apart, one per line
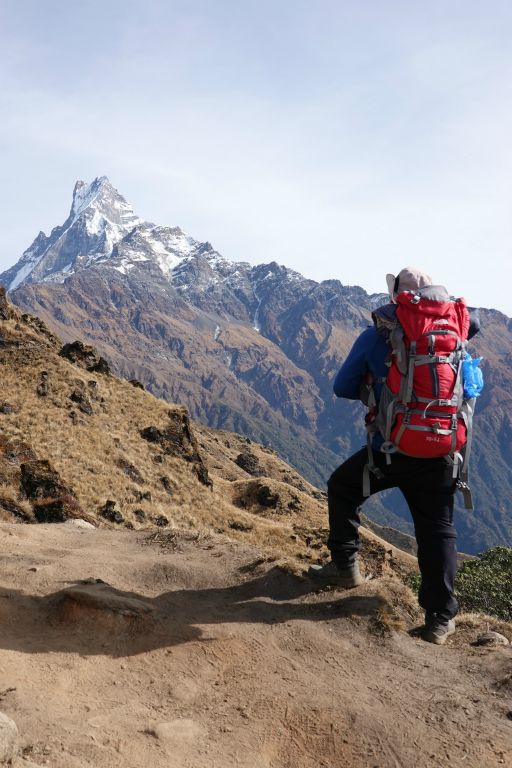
253 349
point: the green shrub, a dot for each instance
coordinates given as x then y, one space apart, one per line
484 585
414 582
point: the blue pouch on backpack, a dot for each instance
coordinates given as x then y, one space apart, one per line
472 376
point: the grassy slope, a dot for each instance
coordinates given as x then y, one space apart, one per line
89 451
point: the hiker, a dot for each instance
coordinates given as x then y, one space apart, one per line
407 368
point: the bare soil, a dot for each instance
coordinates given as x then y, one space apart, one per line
195 651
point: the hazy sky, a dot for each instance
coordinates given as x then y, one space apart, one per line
345 139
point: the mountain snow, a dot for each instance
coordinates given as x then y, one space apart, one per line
102 229
85 194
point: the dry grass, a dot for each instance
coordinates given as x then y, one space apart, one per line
386 621
483 623
92 452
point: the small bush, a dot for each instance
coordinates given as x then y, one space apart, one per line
483 585
414 582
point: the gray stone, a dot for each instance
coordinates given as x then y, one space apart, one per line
491 638
79 523
103 608
8 739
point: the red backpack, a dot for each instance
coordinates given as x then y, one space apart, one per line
422 411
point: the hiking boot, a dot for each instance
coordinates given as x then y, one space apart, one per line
437 631
330 575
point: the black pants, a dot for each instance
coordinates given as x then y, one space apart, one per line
429 488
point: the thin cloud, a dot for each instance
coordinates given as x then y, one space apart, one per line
344 143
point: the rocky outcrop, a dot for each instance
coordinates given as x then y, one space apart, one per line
40 480
5 309
52 500
15 451
130 471
177 439
57 510
249 463
85 356
40 327
43 387
167 485
265 498
81 399
109 512
15 510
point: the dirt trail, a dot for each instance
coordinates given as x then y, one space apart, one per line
193 653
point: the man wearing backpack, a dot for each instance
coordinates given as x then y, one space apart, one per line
407 368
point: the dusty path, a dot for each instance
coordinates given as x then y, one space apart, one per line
203 657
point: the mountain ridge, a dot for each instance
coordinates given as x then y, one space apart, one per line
250 348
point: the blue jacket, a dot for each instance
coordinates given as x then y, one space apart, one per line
369 353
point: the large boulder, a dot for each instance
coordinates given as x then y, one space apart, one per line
8 740
99 608
85 356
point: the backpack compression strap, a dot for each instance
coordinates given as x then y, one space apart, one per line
467 410
371 429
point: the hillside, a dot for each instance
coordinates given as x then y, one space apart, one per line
251 349
177 624
79 442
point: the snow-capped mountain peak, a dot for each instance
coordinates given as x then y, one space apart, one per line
84 194
103 230
99 218
101 203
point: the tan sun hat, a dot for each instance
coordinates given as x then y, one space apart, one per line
408 279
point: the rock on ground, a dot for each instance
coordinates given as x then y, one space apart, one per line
8 739
79 523
491 638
